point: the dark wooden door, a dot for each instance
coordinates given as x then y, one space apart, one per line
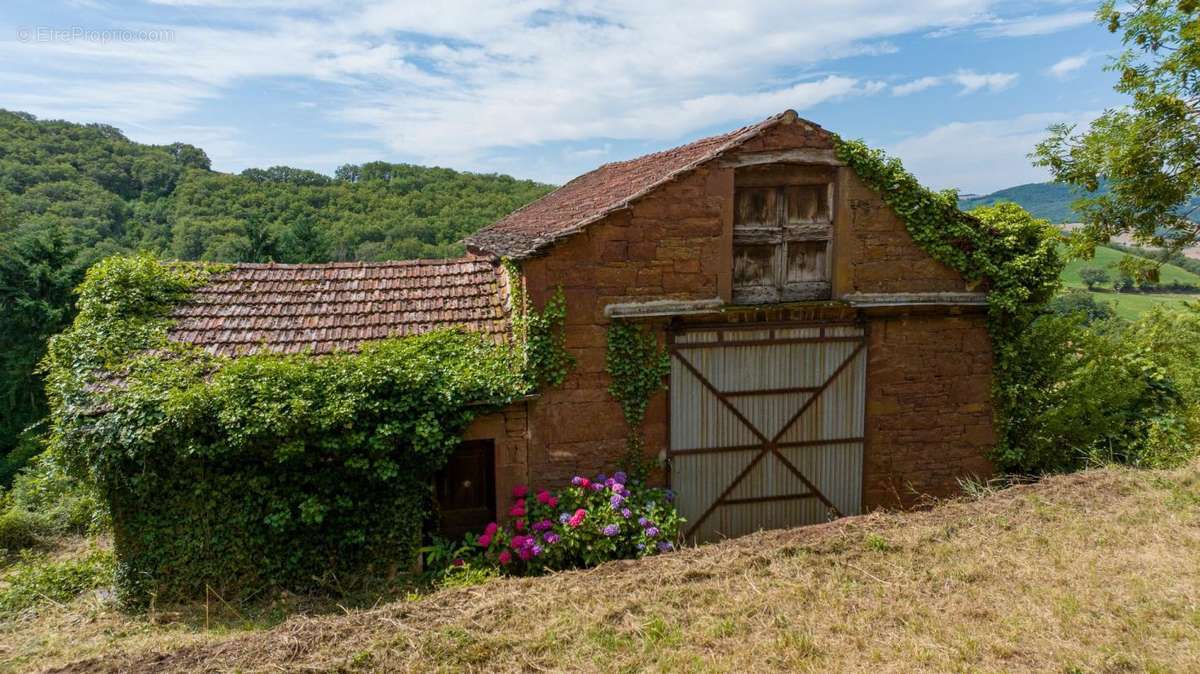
466 489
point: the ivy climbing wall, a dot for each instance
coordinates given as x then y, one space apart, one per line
677 243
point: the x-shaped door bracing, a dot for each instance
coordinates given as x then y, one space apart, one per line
769 445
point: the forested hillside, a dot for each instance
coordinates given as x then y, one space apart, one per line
1049 201
71 194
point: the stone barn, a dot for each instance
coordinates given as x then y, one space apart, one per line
822 364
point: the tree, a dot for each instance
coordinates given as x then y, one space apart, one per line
1123 282
1076 301
71 194
1148 152
1093 276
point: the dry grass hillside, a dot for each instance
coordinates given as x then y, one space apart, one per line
1093 572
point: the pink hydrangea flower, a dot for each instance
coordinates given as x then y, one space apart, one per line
505 557
517 510
485 540
553 502
577 518
519 525
544 497
520 491
491 528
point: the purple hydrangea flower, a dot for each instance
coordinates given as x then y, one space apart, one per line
551 537
626 513
577 480
616 501
641 546
543 525
670 495
600 478
619 477
537 549
643 522
652 532
597 486
665 546
611 530
564 517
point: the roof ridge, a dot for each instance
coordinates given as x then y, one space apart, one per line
562 213
360 263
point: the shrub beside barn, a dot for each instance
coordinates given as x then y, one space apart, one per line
821 362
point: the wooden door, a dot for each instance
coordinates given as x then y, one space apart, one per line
766 426
466 489
782 235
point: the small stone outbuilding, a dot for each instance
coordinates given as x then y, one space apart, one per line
822 364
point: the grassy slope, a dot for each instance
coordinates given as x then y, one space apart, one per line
1129 305
1089 572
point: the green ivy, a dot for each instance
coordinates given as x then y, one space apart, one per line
541 334
637 367
1001 249
266 470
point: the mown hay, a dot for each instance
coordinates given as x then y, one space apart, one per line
1091 572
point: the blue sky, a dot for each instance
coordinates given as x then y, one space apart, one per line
959 89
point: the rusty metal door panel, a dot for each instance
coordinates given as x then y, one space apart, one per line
766 426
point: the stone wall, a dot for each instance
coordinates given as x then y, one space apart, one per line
928 379
929 412
673 244
873 252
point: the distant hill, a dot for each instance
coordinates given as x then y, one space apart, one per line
1050 201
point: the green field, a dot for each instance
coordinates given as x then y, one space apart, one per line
1129 305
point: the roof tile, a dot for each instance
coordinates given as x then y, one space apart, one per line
322 308
594 195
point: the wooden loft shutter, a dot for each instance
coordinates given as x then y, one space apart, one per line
782 236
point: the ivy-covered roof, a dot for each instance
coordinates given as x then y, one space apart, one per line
321 308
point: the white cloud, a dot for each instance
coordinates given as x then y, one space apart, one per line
982 156
969 82
451 81
916 85
1062 69
1028 26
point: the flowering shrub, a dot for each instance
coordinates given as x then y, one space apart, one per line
589 522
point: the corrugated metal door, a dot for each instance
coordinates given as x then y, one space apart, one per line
766 426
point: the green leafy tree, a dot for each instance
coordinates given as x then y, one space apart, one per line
71 194
1148 152
1082 395
1124 282
1093 276
1079 302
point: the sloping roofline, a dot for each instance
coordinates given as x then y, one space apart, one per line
324 308
609 188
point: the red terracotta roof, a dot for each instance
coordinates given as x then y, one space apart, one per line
594 195
322 308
